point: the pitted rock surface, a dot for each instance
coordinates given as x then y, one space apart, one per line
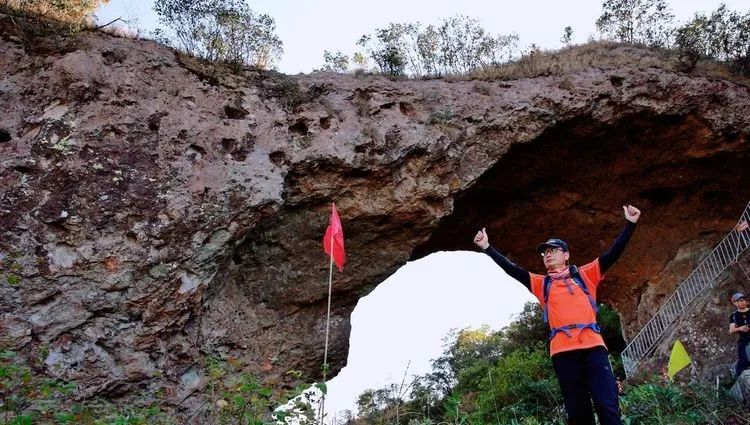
157 213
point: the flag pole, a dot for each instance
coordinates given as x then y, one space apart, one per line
328 322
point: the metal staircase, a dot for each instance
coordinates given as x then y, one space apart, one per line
703 277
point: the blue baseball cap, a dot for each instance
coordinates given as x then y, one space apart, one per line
552 243
737 296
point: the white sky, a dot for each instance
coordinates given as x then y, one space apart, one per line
405 318
308 27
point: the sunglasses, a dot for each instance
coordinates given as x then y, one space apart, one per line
549 251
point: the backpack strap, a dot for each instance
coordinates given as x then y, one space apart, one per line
566 329
545 290
576 276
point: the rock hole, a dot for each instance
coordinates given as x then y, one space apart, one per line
228 145
278 158
23 169
716 197
195 153
154 121
235 112
616 80
659 195
238 149
357 173
325 123
237 258
4 136
406 108
300 127
361 148
392 137
111 56
246 145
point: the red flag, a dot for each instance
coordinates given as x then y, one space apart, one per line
335 233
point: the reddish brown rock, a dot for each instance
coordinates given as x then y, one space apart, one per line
157 213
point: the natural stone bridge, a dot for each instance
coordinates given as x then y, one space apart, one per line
155 211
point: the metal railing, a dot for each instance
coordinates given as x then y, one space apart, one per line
725 253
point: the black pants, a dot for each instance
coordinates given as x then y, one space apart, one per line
586 375
742 361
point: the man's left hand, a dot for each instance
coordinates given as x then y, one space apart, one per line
631 213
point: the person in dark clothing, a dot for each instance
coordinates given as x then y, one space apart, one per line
739 323
567 295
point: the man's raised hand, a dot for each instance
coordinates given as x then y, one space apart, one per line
481 239
631 213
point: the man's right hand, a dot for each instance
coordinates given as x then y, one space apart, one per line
481 239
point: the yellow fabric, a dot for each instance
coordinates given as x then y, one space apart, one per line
678 360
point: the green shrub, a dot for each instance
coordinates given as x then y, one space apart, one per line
75 13
723 35
457 44
646 22
235 396
225 31
506 377
13 279
521 386
658 402
231 396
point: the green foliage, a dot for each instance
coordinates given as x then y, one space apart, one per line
659 402
453 410
289 93
567 35
609 322
378 406
26 397
231 396
226 31
74 14
506 377
528 329
521 385
30 398
385 48
12 269
723 35
235 396
646 22
334 62
468 351
441 116
457 45
424 398
13 279
387 405
63 145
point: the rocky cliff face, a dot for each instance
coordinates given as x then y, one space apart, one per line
154 212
